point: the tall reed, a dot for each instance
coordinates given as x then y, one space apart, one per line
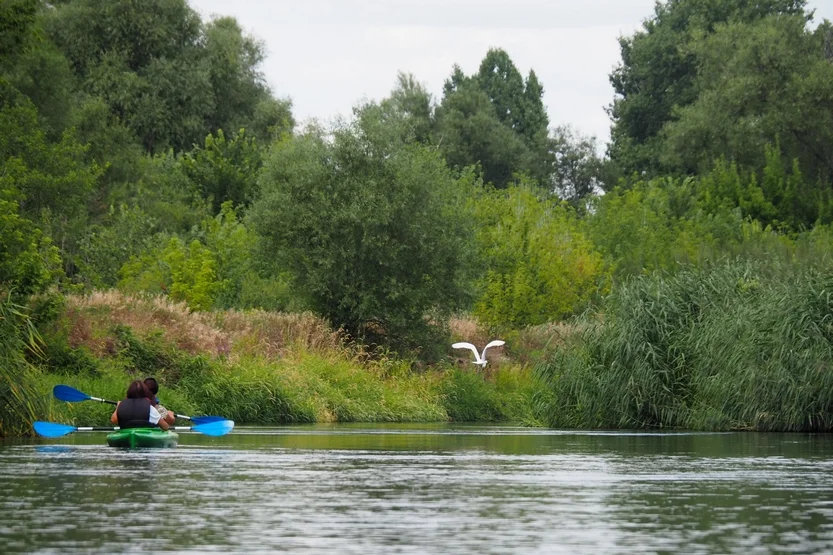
739 344
20 403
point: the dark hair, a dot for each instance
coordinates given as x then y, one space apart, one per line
137 390
152 384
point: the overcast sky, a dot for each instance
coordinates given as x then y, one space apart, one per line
328 55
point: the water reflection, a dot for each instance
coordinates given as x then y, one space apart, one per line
418 488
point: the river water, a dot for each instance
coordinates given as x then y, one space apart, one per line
375 489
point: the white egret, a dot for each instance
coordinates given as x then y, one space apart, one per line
479 359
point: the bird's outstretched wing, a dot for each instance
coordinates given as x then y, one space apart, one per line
469 346
495 343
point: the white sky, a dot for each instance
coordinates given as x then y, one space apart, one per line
328 55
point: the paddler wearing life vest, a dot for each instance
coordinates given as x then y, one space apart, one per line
136 410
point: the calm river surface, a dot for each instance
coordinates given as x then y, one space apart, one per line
375 489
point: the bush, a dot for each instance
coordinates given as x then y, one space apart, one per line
538 266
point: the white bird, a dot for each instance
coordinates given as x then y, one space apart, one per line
479 359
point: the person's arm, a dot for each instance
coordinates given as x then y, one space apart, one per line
114 418
155 418
167 415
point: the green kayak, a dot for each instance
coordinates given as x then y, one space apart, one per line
142 437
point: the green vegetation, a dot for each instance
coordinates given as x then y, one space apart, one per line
20 402
256 367
372 231
160 214
737 345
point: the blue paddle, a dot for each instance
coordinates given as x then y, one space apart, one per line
72 395
53 429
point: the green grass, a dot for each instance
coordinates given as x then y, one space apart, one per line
307 388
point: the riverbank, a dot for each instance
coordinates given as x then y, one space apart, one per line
262 367
736 345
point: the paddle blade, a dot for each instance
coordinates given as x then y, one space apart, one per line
206 419
218 428
51 429
69 394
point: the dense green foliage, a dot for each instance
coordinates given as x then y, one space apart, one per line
660 68
170 78
374 232
726 79
142 151
737 345
538 264
495 119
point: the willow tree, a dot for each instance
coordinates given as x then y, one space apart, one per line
763 83
372 230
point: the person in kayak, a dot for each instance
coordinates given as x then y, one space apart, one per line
136 411
153 387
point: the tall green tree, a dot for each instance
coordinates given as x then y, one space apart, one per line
577 170
759 84
659 68
17 18
495 119
409 108
225 169
519 105
140 32
143 60
164 74
469 133
502 82
374 233
40 72
242 98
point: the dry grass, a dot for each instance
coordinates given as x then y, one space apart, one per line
466 328
233 334
274 333
228 334
525 347
535 342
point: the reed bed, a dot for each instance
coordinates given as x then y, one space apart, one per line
739 344
19 400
